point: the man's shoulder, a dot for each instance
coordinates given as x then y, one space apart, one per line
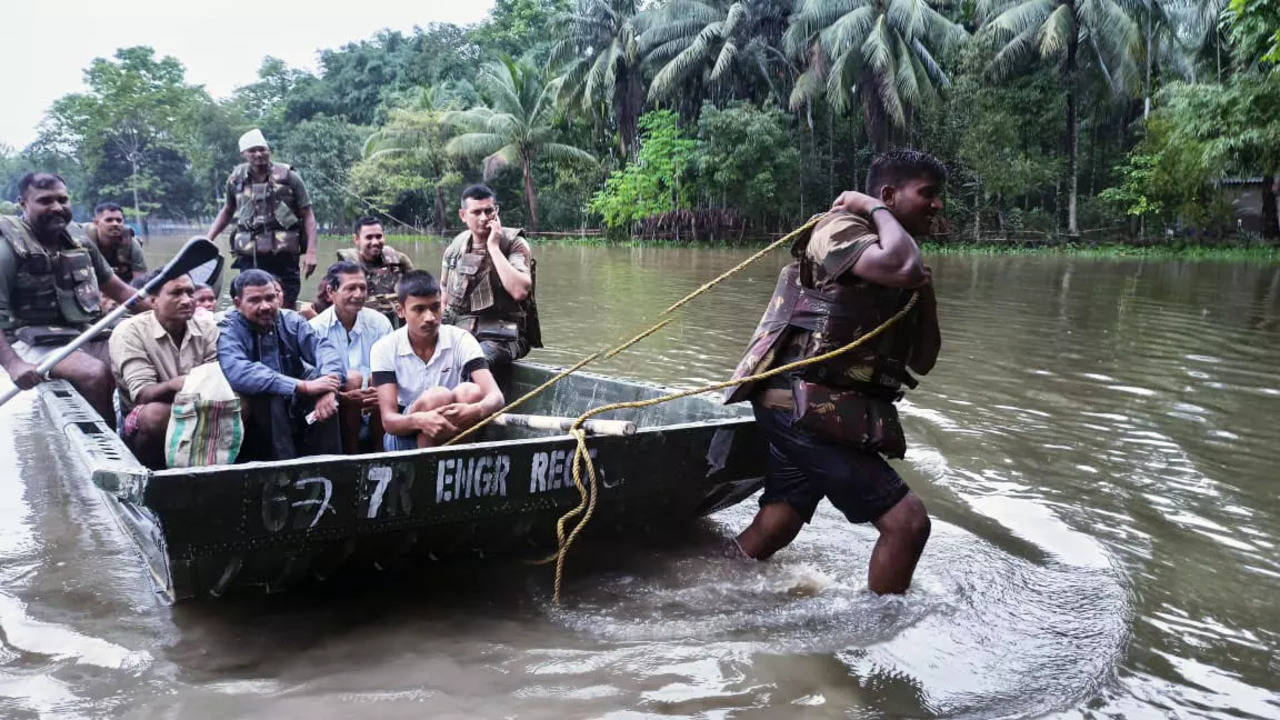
322 320
839 231
375 319
205 322
387 343
458 244
134 326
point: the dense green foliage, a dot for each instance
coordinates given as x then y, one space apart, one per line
720 119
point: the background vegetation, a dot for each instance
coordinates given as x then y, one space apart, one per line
719 120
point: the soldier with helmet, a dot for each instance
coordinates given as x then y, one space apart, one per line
831 425
116 241
383 266
52 274
271 212
488 281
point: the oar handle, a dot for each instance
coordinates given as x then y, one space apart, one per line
562 424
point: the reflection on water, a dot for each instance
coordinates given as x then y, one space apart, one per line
1097 446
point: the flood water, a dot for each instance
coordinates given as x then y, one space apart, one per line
1098 448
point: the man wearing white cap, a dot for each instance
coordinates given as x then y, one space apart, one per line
272 215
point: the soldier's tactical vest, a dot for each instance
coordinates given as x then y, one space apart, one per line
121 257
267 222
51 289
382 278
849 398
480 304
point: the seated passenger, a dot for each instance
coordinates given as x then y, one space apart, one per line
205 299
352 329
51 274
286 375
151 354
432 379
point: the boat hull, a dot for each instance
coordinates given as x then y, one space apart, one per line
271 525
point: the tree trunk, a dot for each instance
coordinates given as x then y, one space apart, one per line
137 211
1270 216
1146 92
977 210
440 226
1073 131
530 198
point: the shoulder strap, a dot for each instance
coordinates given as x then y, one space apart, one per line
76 232
239 174
280 171
349 255
15 232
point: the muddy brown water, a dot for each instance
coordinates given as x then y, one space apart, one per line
1097 446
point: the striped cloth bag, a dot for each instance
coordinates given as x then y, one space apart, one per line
205 427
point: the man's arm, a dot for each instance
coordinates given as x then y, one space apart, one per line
248 376
224 217
309 237
130 364
894 259
465 415
22 373
516 281
316 348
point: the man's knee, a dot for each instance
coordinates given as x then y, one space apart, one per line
153 418
468 392
432 398
907 519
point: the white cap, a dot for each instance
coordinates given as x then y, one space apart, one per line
253 139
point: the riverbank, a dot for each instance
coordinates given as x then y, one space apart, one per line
1252 253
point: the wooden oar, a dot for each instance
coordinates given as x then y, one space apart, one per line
195 253
562 424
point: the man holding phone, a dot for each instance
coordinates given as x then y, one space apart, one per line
487 277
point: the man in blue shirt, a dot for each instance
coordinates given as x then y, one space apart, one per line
286 375
352 329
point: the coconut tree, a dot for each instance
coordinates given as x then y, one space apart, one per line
515 128
408 152
601 64
1097 35
879 52
734 43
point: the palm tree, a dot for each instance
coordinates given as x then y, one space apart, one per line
732 42
881 52
1095 33
415 137
515 128
602 64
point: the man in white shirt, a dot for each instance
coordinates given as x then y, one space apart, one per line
432 380
353 329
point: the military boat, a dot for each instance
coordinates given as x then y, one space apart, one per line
209 531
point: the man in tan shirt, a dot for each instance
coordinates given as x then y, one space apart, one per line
151 354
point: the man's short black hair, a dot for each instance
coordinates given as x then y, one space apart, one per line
901 165
39 181
107 207
253 277
418 283
366 220
332 276
479 191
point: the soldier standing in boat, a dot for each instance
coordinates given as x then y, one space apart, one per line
383 266
51 274
271 210
830 426
488 280
117 241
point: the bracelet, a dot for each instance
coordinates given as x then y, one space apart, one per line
878 207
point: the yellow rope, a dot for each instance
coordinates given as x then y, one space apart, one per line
637 338
588 494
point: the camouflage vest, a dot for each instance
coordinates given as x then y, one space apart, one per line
832 312
121 257
57 289
479 303
267 216
382 278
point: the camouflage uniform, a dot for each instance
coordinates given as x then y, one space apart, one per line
125 257
826 420
43 288
479 303
268 223
382 278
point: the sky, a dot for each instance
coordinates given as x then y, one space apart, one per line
45 47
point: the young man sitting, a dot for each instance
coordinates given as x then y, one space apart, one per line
286 374
352 329
433 381
151 354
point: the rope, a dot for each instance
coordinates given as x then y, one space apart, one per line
588 494
609 355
